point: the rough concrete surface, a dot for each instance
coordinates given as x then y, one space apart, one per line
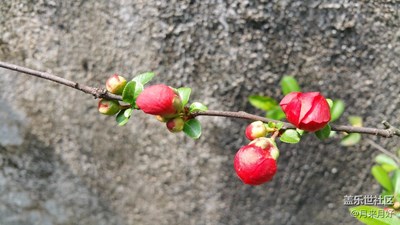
62 162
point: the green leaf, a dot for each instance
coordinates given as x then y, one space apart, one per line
290 136
275 113
300 131
332 134
372 215
144 78
197 107
289 84
396 184
324 132
337 109
355 121
121 118
128 95
128 112
386 162
184 92
382 177
138 89
262 102
351 139
279 125
192 128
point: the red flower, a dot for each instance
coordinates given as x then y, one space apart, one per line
307 111
159 100
254 164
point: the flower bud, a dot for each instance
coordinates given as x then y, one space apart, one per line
175 125
307 111
255 130
115 84
159 100
254 165
108 107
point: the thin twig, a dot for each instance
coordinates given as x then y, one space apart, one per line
383 150
96 92
390 131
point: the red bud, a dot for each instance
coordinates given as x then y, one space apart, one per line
159 100
307 111
254 165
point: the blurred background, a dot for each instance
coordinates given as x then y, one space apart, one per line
61 162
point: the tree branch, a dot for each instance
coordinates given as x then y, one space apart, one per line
383 150
388 132
96 92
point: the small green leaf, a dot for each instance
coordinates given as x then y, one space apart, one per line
138 89
144 78
396 184
300 131
128 112
197 107
351 139
262 102
372 215
289 84
192 128
386 162
324 132
332 134
128 94
184 92
121 118
275 113
337 109
355 121
382 177
290 136
279 125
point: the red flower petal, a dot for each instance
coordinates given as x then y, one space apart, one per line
288 98
157 100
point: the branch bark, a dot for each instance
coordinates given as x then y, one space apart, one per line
96 92
388 132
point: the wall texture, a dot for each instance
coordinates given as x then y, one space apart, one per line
62 162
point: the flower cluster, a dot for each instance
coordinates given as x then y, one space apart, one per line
114 84
254 163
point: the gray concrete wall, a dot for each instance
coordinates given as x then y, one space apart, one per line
64 163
